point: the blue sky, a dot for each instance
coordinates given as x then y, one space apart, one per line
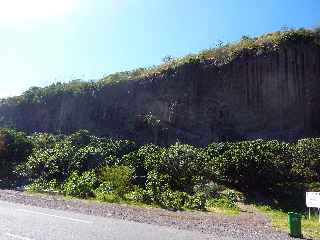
44 41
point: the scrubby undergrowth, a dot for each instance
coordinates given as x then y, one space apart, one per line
177 177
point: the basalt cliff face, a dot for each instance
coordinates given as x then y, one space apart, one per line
273 96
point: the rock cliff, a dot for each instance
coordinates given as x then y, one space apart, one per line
261 95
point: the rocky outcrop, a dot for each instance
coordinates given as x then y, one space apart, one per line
274 95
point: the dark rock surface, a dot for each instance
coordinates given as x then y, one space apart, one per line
274 95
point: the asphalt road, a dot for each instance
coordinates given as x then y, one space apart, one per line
31 223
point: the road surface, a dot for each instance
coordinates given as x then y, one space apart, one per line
19 222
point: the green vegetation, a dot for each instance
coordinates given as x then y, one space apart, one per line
279 219
220 55
177 177
116 180
81 185
14 149
271 173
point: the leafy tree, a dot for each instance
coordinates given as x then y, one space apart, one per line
306 160
14 149
254 165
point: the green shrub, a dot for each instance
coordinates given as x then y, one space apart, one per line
280 171
182 165
306 160
313 187
233 195
105 193
57 157
211 189
44 140
151 155
118 178
221 202
109 197
14 149
253 165
156 184
139 195
173 200
196 201
50 163
135 160
82 186
40 185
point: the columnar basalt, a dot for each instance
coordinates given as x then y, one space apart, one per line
267 95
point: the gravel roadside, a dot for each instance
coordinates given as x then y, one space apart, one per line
247 225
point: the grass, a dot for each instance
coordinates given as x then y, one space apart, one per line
310 228
120 201
223 206
224 211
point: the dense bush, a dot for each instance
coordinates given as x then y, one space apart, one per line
48 164
139 195
40 185
185 167
106 193
182 165
196 201
173 200
155 185
57 157
306 160
135 160
251 164
175 177
81 185
14 149
210 189
116 179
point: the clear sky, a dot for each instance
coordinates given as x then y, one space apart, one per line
44 41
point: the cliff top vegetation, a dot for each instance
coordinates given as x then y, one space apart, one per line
220 55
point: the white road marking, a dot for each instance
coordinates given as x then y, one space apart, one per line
17 236
55 216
